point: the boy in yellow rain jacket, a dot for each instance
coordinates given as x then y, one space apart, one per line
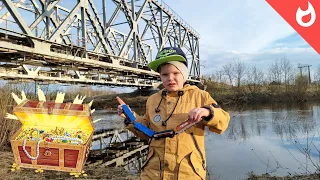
183 156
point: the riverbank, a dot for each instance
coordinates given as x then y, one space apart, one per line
109 102
102 173
138 100
296 177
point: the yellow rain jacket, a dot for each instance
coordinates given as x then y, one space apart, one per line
183 156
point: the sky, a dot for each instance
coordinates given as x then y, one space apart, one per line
248 30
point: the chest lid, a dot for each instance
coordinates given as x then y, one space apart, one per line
51 114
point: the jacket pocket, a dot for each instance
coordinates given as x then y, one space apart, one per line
197 165
151 167
189 168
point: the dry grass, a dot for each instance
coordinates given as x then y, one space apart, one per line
92 172
7 127
296 177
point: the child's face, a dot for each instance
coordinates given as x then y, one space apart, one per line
171 77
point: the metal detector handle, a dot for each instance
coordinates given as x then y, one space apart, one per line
132 119
128 113
185 125
164 134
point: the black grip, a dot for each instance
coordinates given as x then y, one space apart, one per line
164 134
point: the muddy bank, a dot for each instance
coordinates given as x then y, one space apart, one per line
138 99
95 172
256 98
134 99
295 177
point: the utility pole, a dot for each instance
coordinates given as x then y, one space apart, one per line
309 74
304 66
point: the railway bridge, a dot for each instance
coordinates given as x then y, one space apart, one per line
93 42
96 42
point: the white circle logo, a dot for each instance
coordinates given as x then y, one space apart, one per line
157 118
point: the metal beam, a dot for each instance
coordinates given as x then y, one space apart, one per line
47 13
102 41
7 14
19 20
67 20
99 33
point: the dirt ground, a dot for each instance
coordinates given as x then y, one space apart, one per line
109 173
92 172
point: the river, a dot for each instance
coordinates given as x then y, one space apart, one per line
277 139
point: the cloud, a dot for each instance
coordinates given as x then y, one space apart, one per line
249 30
214 61
245 26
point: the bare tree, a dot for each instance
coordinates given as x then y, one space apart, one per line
317 78
317 75
239 71
228 71
287 70
255 78
287 74
211 77
274 73
217 76
301 86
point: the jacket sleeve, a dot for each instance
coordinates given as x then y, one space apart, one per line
218 120
143 120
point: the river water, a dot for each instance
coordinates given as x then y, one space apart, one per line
276 139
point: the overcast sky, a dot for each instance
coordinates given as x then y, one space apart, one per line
249 30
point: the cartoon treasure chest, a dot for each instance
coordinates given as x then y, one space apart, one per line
53 136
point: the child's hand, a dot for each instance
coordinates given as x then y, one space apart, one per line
196 114
120 111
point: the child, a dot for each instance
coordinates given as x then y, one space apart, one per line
183 156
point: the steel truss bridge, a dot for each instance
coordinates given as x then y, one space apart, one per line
97 42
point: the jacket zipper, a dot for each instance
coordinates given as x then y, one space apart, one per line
198 149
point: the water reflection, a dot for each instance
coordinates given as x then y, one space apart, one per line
109 120
270 139
286 121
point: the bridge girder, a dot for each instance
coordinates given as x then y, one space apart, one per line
112 43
